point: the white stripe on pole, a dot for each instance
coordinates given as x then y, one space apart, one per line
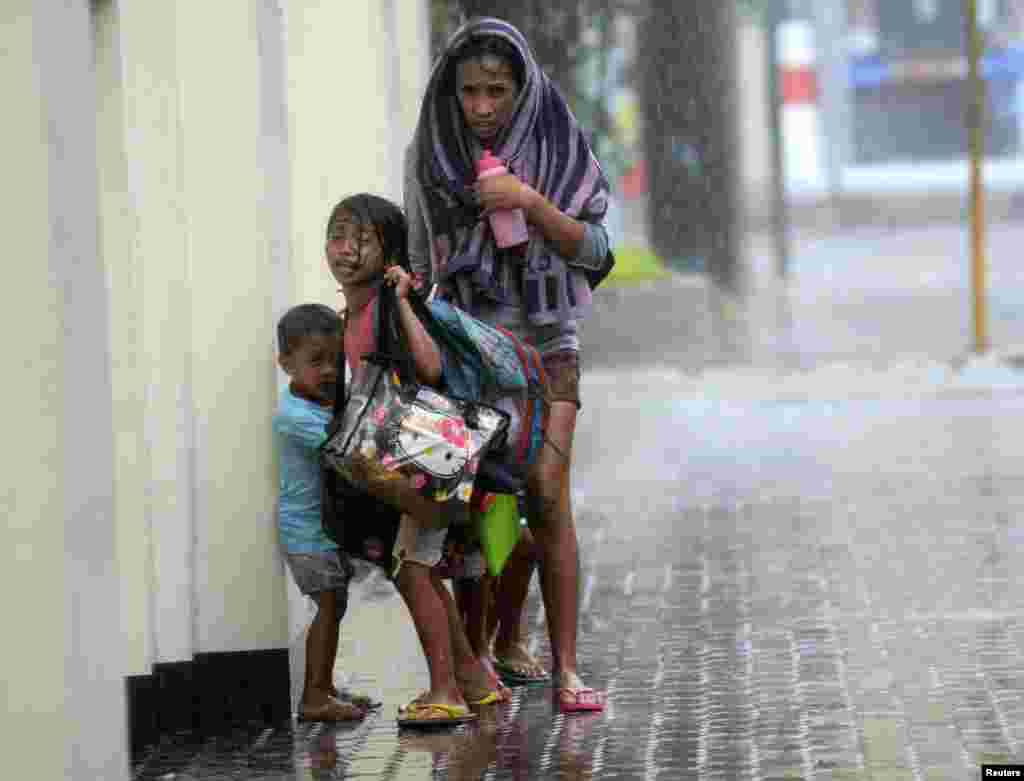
803 158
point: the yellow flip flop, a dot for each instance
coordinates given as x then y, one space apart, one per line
413 702
488 699
435 714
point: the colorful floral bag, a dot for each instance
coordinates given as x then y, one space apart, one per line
496 366
407 444
491 364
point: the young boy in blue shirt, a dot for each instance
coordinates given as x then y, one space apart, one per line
309 342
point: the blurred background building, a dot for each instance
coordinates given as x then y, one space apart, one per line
886 83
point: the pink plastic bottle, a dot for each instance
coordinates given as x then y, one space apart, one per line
509 225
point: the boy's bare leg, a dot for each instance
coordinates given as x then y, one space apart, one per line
321 652
429 616
550 518
359 700
333 636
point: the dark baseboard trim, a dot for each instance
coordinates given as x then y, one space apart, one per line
209 695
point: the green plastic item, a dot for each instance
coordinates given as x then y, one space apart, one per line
499 532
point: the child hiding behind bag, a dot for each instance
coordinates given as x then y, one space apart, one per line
309 337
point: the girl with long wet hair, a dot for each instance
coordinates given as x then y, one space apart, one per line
366 250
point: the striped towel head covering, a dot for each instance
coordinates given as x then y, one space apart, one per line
543 145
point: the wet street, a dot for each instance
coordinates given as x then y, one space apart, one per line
801 567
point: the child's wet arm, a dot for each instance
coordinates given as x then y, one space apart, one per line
425 353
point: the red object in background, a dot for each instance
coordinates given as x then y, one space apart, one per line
798 85
633 183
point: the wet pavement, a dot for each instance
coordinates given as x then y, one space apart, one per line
789 573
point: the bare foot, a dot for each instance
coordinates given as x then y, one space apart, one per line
504 693
476 684
450 698
516 658
359 700
418 699
331 710
573 696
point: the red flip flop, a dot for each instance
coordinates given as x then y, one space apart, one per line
584 700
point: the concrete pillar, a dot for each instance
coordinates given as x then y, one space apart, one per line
412 28
170 167
117 223
753 117
158 297
276 155
239 602
63 689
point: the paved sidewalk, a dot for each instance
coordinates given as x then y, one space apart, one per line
866 296
844 597
817 588
801 560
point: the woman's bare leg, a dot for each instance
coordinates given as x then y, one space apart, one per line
550 517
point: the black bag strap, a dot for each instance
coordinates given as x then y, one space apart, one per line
390 340
339 384
595 276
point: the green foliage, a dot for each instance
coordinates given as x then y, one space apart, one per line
755 9
635 264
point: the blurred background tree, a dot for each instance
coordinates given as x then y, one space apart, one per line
686 82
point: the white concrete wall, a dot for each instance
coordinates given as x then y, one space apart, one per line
225 212
412 24
63 684
238 586
356 72
116 243
168 170
160 300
